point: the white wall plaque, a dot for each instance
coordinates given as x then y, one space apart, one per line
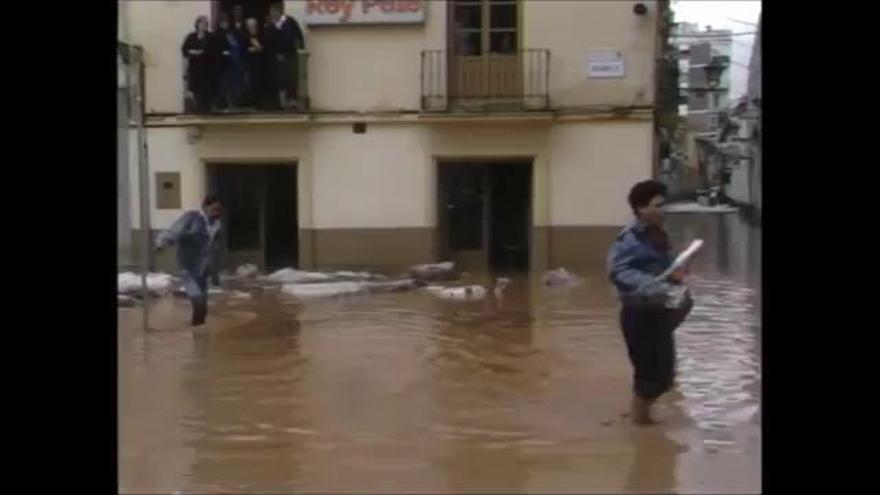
605 65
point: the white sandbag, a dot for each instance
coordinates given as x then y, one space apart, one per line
237 294
123 301
432 271
325 289
347 275
392 286
247 270
292 276
157 283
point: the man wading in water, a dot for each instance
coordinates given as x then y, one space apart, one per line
195 234
639 255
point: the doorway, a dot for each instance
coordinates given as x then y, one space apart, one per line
260 213
485 214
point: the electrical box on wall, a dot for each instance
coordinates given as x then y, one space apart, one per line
168 190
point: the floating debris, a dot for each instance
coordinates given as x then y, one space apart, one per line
560 277
468 292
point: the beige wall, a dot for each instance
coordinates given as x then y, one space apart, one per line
593 166
572 29
160 26
386 178
380 179
377 68
168 152
370 68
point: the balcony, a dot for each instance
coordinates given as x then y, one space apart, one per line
515 82
251 100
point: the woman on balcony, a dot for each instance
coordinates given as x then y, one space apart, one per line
230 45
200 74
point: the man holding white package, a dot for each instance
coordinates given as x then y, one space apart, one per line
650 282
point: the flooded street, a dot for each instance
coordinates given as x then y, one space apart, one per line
407 392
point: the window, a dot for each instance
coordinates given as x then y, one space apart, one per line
502 27
485 26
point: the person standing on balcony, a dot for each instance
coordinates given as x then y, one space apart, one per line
640 254
230 46
257 71
286 41
196 234
200 73
238 20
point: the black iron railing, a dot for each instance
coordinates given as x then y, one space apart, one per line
250 101
519 80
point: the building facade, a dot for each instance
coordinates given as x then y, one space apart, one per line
697 50
495 133
754 98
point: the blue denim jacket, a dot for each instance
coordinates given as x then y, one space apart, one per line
195 250
634 265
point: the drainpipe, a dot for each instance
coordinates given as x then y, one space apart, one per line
136 116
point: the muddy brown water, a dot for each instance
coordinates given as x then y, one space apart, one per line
405 392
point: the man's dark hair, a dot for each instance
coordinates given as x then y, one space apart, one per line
210 199
642 193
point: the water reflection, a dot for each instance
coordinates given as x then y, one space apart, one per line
404 392
248 407
656 458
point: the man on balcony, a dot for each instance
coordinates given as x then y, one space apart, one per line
286 41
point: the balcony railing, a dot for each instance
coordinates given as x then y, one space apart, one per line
249 102
516 81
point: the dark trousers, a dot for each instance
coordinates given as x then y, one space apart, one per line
288 77
651 347
203 100
196 286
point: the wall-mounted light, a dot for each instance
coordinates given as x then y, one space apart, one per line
640 9
193 134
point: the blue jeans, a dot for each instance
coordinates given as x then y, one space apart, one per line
196 287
